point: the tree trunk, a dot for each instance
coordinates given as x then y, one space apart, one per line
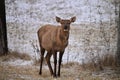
2 45
118 41
3 30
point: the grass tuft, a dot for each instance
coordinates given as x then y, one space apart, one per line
15 55
106 61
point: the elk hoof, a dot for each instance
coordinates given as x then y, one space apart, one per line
40 73
58 76
54 76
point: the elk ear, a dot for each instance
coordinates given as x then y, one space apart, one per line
58 19
73 19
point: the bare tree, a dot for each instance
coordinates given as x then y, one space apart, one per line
1 39
116 4
118 41
3 30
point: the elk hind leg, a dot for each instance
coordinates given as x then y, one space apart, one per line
48 56
41 61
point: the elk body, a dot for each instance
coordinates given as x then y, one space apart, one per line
54 39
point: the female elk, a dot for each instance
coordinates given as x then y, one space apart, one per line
54 39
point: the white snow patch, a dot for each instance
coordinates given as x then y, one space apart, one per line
19 62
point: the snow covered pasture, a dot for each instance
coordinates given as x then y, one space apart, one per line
92 36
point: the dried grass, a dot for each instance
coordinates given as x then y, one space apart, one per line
37 62
109 60
70 64
69 71
15 55
106 61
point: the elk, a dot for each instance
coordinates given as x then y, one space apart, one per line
54 39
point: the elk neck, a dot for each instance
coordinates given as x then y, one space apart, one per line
64 35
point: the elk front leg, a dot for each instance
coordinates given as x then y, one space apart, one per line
55 63
60 60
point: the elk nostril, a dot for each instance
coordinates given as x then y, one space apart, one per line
65 27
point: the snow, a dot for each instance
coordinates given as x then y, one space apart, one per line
64 9
24 18
20 62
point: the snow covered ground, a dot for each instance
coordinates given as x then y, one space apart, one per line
25 17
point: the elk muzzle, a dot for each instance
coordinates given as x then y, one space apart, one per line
66 28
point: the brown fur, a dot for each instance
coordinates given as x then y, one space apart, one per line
54 39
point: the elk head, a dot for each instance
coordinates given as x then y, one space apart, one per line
65 23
